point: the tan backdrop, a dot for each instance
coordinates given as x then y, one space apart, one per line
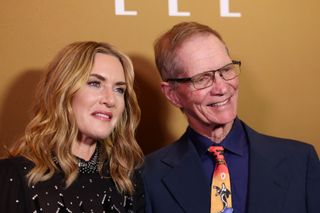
277 42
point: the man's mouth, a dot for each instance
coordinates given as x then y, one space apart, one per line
218 104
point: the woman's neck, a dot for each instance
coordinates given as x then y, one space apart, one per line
84 149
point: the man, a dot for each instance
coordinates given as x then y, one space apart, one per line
267 174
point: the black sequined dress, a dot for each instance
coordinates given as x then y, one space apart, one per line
89 193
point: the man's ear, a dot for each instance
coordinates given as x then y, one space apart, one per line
169 91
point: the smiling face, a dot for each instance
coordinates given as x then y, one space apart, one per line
99 104
212 106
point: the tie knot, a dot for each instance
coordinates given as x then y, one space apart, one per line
217 151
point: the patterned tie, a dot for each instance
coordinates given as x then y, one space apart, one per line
220 187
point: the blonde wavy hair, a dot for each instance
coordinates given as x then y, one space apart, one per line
53 128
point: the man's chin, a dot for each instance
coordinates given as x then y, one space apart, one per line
224 120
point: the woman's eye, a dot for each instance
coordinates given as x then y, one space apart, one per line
120 90
94 84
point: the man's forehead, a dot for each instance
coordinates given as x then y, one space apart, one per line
205 37
202 52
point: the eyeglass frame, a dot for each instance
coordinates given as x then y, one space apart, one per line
191 79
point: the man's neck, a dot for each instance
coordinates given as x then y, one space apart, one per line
215 133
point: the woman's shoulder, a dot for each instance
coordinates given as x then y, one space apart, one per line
19 165
138 196
18 160
13 184
137 177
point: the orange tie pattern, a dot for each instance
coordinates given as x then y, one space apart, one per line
220 188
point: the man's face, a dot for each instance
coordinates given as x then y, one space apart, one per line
215 105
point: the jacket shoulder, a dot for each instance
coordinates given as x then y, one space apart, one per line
177 146
277 144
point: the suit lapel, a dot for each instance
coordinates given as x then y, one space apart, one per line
186 181
268 175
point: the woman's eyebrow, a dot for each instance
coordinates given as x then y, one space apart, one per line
100 77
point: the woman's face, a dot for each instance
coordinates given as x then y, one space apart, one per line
98 105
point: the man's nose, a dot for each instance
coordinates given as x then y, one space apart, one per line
217 76
219 84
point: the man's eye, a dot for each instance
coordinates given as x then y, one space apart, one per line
94 84
202 78
226 69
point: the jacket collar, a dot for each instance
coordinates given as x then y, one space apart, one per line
186 181
268 174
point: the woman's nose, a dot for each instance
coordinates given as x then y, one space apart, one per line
108 97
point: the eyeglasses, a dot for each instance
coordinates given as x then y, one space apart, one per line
205 79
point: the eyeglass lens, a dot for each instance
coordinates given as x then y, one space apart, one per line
206 79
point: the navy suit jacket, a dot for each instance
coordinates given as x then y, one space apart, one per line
284 177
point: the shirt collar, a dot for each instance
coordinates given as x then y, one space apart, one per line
233 142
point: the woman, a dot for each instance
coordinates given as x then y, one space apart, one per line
78 153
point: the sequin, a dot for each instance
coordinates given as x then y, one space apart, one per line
91 166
